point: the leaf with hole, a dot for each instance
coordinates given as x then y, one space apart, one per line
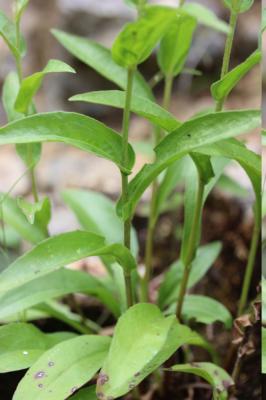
175 45
190 137
224 86
22 344
139 105
62 370
74 129
143 340
31 84
100 59
137 40
217 377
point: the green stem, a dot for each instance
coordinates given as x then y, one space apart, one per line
141 7
251 261
181 3
168 85
29 147
227 54
125 135
192 247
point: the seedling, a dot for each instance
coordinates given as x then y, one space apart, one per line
194 152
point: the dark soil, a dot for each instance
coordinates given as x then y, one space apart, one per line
225 220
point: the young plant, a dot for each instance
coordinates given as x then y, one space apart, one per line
195 152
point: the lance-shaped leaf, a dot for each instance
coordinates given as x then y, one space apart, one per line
205 16
205 257
21 6
31 84
139 105
75 129
239 6
13 216
38 213
9 95
22 344
143 340
217 377
55 252
204 310
86 394
54 285
138 39
8 33
223 87
62 370
100 59
175 45
193 134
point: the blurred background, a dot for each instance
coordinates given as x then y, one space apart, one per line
62 166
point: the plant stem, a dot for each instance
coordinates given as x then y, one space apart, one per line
192 247
125 135
181 3
141 6
251 261
29 147
227 54
168 85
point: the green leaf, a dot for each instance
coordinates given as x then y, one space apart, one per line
21 6
239 6
30 153
71 128
54 285
204 310
217 377
224 86
9 95
96 213
13 216
263 331
63 369
175 45
139 105
143 340
33 211
55 252
31 84
263 20
205 257
86 394
8 33
100 59
205 16
22 344
138 39
190 137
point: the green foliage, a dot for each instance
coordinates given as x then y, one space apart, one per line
138 39
142 334
205 16
8 33
100 59
39 212
9 95
224 86
214 375
58 251
75 129
20 7
175 45
191 136
139 105
31 84
86 394
22 344
62 370
263 349
239 6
